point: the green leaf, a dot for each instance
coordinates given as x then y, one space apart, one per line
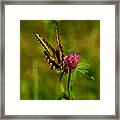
63 96
73 75
92 78
82 66
84 73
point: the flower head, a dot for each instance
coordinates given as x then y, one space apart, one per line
70 62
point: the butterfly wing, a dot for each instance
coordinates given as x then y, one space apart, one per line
59 51
49 52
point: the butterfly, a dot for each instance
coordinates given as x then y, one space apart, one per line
54 56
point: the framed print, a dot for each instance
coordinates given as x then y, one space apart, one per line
60 59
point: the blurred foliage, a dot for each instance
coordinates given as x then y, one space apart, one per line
37 81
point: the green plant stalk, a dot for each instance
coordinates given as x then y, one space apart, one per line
69 85
61 75
61 84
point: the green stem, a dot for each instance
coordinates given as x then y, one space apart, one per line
61 75
61 84
69 85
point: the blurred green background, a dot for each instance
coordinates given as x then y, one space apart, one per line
37 81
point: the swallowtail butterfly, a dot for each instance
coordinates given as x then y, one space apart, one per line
54 56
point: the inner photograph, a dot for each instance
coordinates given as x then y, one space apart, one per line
60 59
